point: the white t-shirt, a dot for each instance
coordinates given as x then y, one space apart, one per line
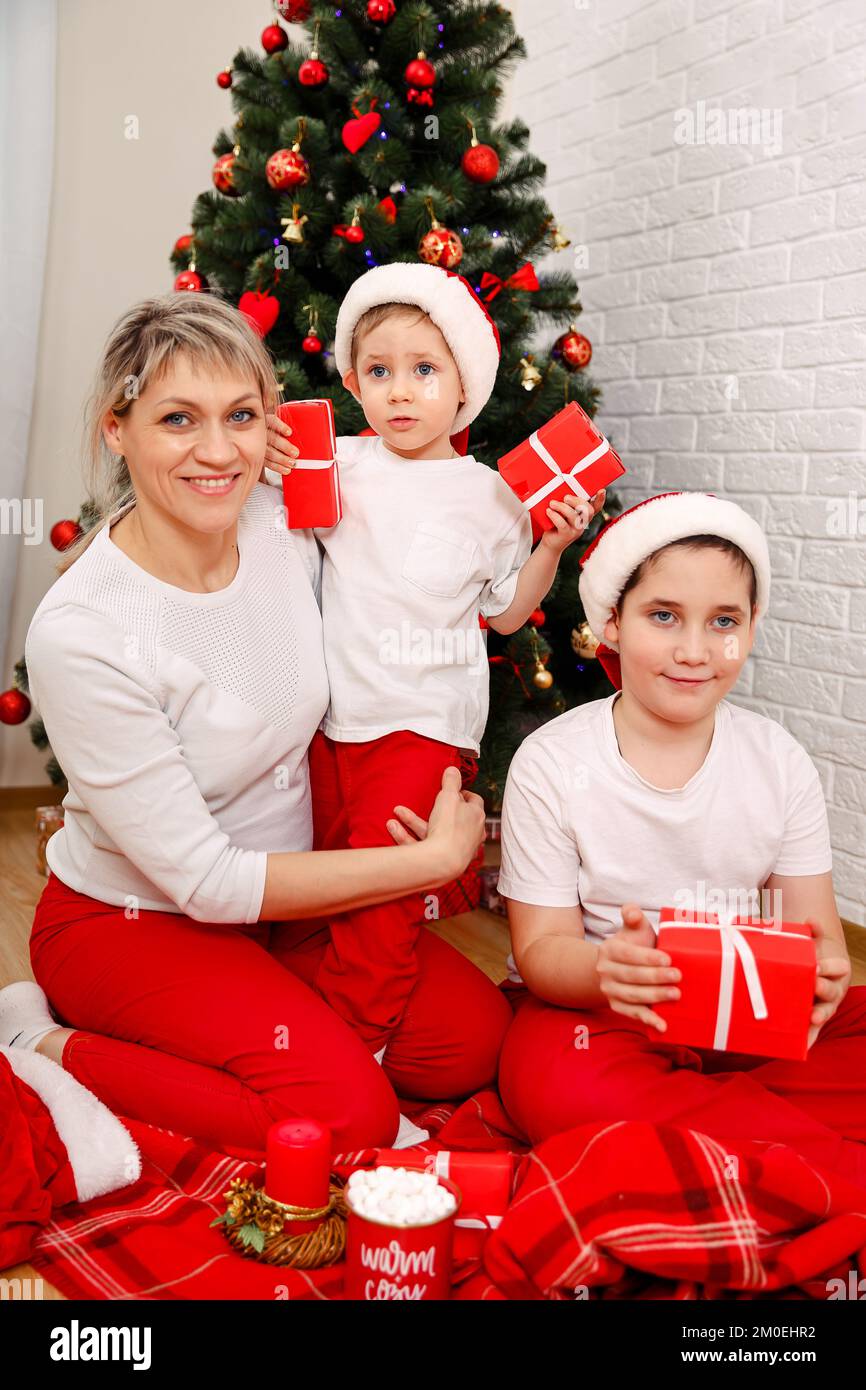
581 826
423 545
182 720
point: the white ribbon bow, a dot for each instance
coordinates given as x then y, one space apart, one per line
559 477
734 944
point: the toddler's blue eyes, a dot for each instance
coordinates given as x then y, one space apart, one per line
374 370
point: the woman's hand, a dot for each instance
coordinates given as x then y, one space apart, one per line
832 979
455 828
632 973
280 454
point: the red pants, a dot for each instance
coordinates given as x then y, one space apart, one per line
370 966
817 1107
211 1030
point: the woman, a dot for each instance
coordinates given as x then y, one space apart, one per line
178 666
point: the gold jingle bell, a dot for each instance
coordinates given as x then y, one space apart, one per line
530 376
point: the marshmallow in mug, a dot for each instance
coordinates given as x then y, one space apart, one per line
399 1196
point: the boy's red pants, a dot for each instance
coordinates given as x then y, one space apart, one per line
817 1107
369 967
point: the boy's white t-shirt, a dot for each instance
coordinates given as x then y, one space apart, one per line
581 827
423 546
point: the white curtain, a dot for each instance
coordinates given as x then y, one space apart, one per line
28 44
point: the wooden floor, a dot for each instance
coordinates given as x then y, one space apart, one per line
481 935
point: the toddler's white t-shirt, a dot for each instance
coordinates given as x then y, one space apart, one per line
423 545
581 827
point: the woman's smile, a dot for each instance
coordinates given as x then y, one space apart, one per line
212 484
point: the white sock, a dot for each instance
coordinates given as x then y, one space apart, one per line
25 1015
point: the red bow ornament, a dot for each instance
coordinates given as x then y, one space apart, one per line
523 279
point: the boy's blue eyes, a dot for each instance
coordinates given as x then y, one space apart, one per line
723 617
378 366
173 415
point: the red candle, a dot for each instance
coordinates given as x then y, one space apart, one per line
298 1162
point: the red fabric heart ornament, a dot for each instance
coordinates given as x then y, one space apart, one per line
358 131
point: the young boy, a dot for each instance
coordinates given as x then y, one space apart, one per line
429 538
664 793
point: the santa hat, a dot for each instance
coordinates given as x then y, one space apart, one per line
103 1155
634 535
454 307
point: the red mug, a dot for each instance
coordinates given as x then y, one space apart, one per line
388 1261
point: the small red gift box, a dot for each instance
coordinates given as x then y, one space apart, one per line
485 1182
312 490
748 985
568 454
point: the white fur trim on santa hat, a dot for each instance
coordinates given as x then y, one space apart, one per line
459 316
103 1154
635 534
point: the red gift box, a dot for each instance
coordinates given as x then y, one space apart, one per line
485 1182
568 454
748 985
312 490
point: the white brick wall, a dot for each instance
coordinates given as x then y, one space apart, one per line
725 297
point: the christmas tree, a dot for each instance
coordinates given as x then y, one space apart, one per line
371 136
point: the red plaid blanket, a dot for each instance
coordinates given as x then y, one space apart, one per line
626 1210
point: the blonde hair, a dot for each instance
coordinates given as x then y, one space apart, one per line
141 346
378 314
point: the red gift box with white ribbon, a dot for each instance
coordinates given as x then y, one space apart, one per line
568 454
311 491
485 1181
748 984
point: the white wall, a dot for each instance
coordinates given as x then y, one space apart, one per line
117 208
725 297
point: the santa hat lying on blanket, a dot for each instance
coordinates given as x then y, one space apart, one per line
58 1144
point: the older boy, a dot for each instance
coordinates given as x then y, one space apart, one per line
665 793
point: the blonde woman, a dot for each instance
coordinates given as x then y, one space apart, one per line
178 665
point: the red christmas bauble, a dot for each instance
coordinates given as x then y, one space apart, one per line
190 280
573 350
381 11
480 163
420 73
536 617
262 310
224 78
287 169
388 209
63 533
14 707
313 73
294 11
182 244
311 343
441 246
224 175
274 39
354 234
